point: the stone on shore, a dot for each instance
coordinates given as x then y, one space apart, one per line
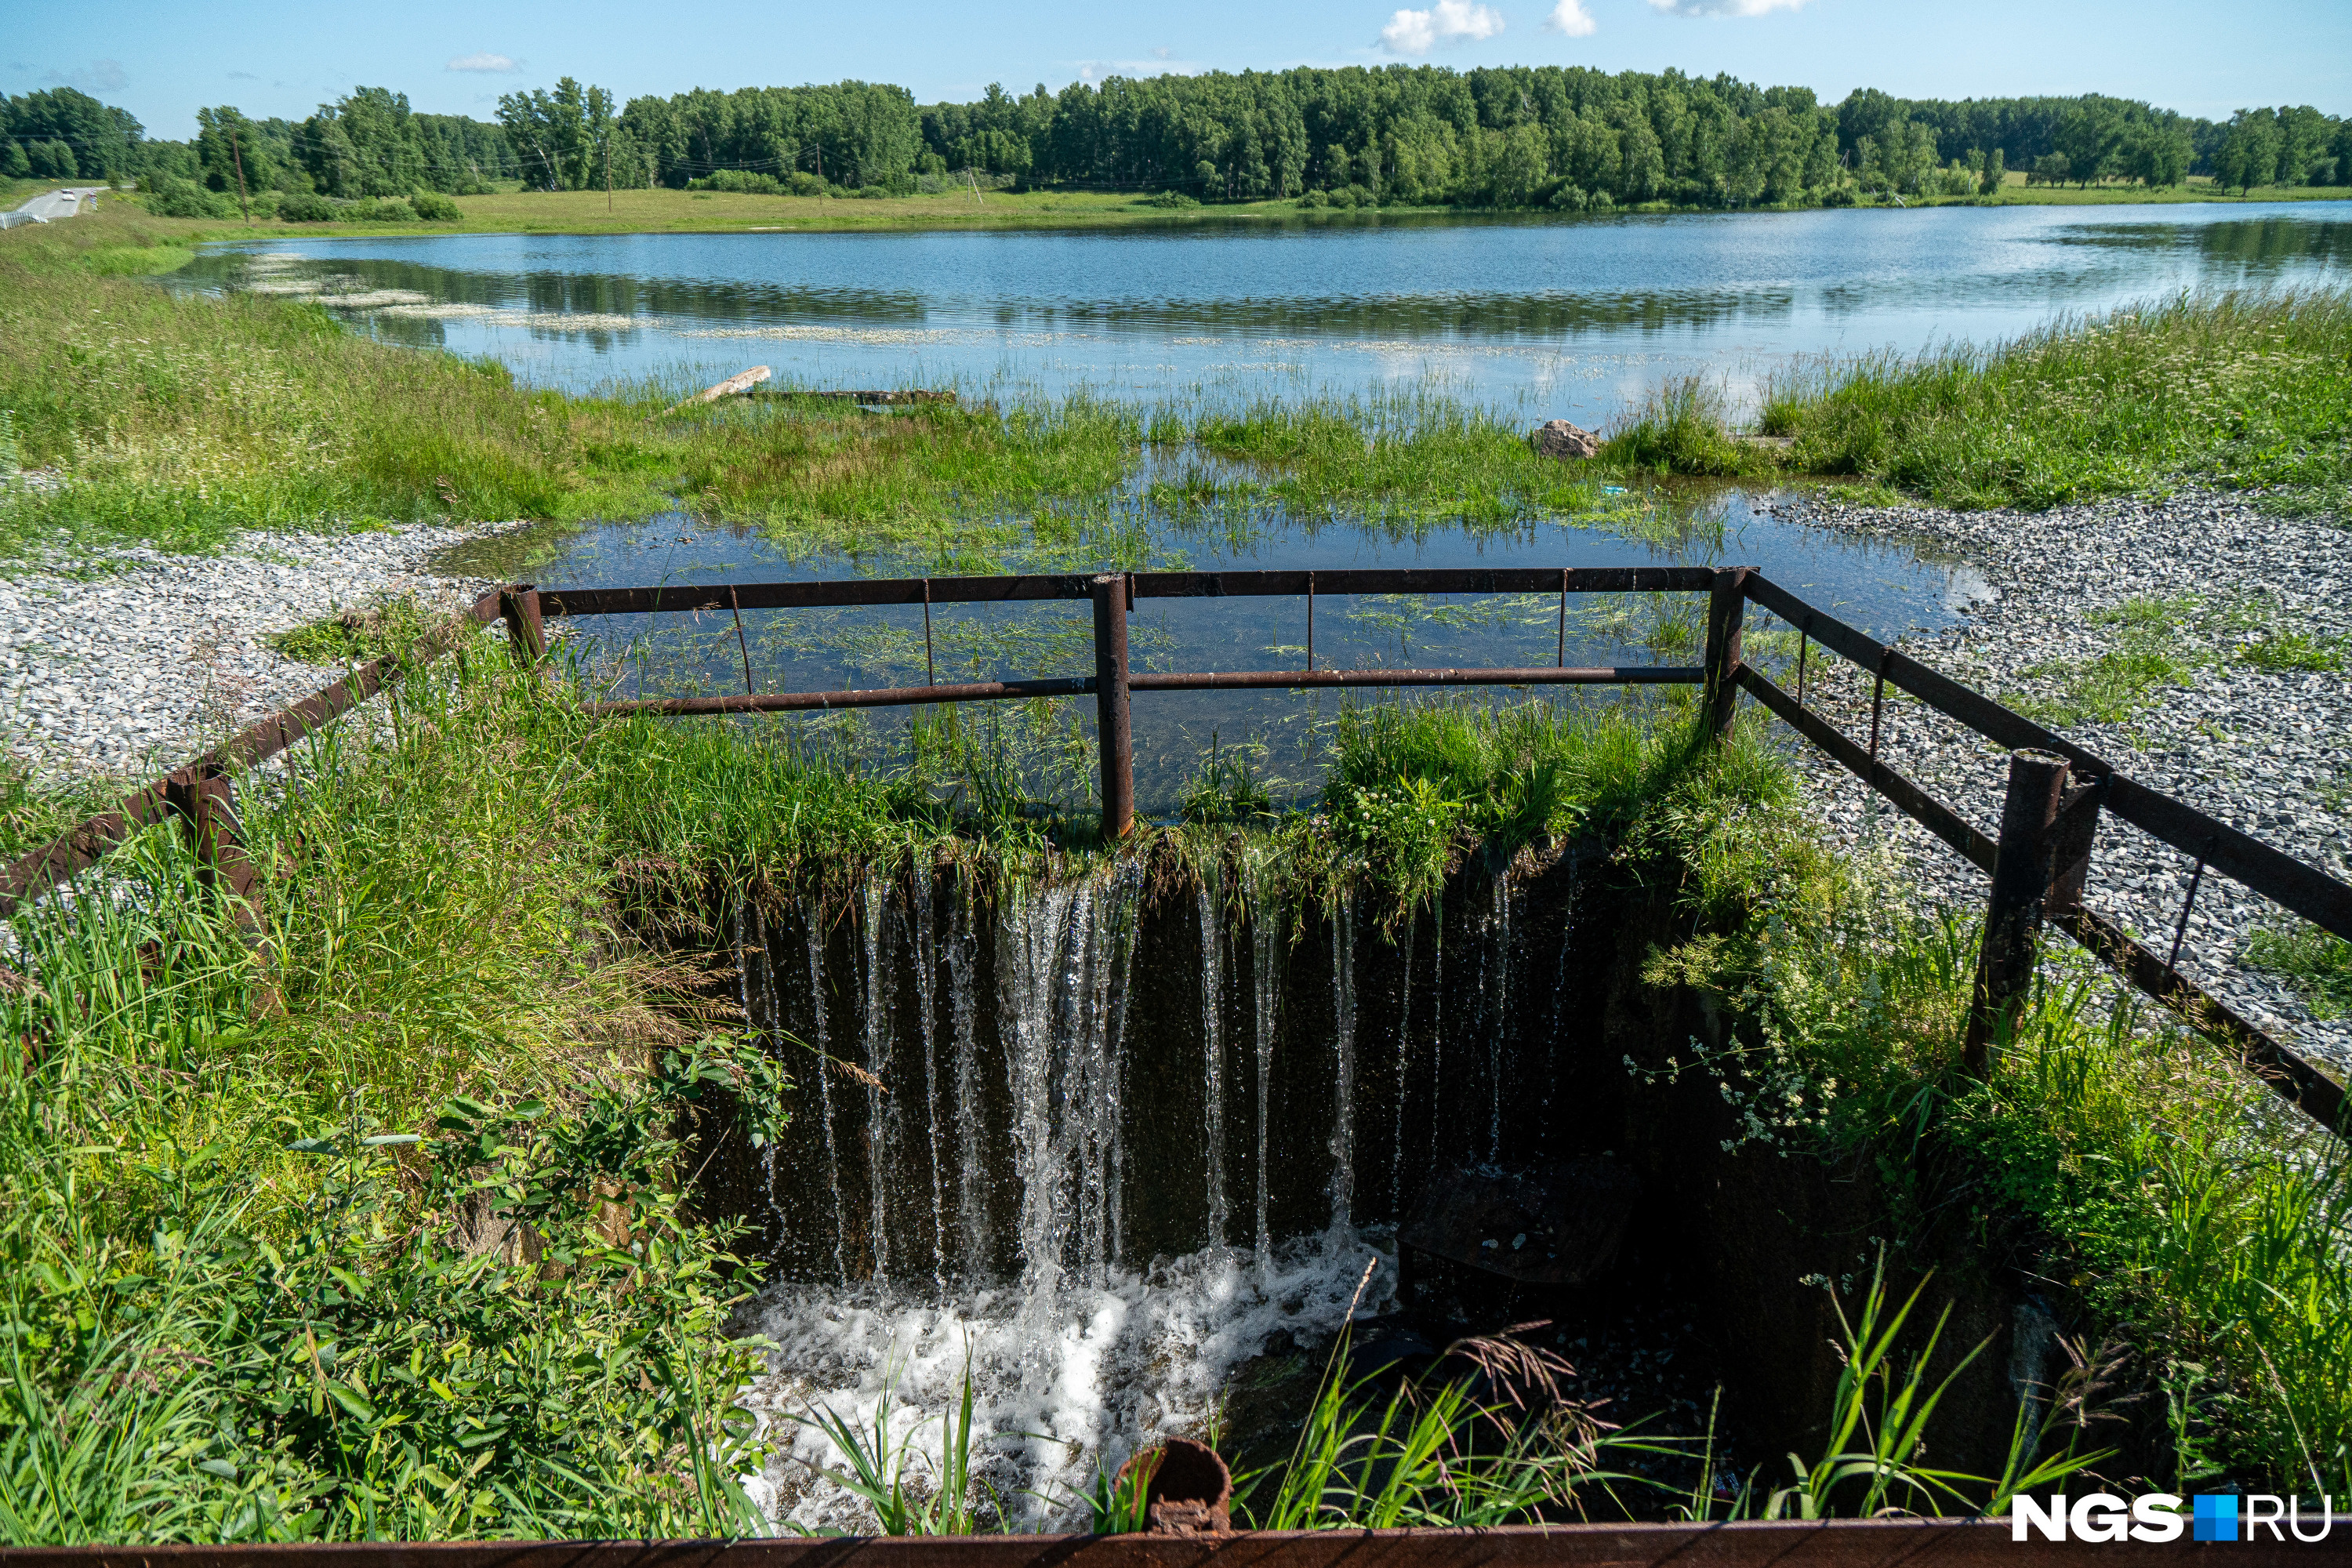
1558 438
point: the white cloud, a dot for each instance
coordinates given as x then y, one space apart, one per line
98 76
243 76
1724 7
1570 16
483 62
1447 22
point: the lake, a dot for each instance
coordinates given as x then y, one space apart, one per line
1539 318
1564 317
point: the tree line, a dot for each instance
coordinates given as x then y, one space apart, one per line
1562 137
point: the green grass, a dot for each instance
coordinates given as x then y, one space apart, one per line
2116 1150
239 1169
2237 391
180 420
2318 964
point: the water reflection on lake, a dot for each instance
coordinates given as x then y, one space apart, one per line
1566 317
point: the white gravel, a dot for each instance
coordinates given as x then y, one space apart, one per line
2269 754
130 662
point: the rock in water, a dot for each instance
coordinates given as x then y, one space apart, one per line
733 386
1558 438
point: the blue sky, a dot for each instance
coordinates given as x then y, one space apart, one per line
161 59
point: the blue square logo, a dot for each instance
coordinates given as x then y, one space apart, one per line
2216 1518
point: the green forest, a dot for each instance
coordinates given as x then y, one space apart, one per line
1518 137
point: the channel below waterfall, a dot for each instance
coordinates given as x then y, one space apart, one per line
1103 1142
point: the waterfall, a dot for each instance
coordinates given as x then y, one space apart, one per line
1062 980
822 1070
1343 1015
873 909
971 1216
1266 932
1496 1002
927 963
1212 1050
1085 1111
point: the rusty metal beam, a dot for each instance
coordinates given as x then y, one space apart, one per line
2305 889
1931 814
91 840
1537 675
1846 1543
878 696
687 597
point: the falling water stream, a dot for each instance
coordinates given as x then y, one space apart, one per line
1025 1167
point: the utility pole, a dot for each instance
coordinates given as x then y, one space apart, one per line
608 175
239 159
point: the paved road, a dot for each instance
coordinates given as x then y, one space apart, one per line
58 203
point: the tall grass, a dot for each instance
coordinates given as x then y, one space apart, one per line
2235 390
289 1247
178 419
2174 1204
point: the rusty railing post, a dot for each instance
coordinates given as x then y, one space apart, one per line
519 607
1727 619
1110 706
2020 888
202 798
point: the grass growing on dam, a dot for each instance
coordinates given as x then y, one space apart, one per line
178 420
2230 390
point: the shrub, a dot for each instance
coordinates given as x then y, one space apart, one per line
803 184
1315 199
392 210
739 181
186 198
305 207
433 207
1170 199
1364 196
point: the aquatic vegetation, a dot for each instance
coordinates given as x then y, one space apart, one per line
2238 390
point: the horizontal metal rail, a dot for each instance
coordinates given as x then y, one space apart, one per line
65 857
1535 675
874 591
879 697
2305 889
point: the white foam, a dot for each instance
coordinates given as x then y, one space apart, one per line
1067 1381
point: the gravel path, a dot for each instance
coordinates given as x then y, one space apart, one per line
136 661
2268 752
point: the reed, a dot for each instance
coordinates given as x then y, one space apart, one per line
2236 390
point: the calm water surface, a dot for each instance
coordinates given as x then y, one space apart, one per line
1538 318
1568 317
